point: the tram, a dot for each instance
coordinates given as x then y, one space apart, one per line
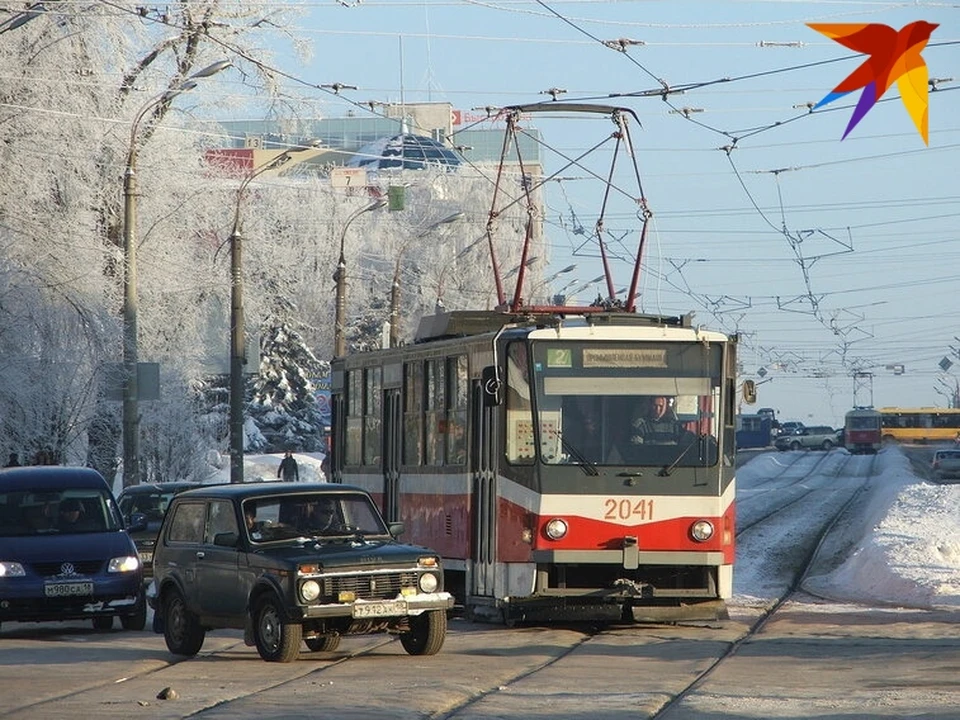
862 431
499 442
508 441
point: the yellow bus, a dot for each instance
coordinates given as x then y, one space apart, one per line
920 425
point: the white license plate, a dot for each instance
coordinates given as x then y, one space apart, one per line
146 557
68 589
379 609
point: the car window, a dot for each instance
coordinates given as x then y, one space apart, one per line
222 519
186 525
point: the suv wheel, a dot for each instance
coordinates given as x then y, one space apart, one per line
277 639
326 643
827 445
181 628
795 445
138 619
427 633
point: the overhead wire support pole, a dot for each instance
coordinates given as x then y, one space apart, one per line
130 411
238 350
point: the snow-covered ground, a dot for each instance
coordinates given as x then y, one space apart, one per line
264 467
907 548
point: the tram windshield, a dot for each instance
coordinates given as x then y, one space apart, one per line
608 403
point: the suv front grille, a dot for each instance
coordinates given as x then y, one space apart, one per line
369 586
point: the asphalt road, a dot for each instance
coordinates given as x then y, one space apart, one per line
810 659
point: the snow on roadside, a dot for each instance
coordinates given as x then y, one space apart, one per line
910 554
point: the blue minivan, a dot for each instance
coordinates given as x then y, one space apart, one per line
64 552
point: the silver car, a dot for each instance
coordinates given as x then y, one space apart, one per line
946 463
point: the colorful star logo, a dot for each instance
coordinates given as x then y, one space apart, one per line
892 57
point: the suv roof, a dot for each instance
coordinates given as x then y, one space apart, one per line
265 488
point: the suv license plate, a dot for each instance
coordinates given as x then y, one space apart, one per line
68 589
146 557
379 609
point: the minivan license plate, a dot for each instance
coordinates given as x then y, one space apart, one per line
379 609
68 589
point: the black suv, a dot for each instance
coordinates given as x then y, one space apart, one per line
291 565
143 507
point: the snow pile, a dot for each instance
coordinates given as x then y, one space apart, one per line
907 548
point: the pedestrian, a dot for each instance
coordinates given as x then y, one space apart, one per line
288 470
14 460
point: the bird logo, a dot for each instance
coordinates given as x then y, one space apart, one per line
893 56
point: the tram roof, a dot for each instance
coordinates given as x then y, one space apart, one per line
464 323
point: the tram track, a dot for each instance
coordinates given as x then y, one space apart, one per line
810 555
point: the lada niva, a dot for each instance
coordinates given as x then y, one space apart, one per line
291 565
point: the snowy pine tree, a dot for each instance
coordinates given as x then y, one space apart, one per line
283 406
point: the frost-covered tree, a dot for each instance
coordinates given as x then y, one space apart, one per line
283 405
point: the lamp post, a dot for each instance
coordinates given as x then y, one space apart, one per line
238 354
131 389
395 286
340 277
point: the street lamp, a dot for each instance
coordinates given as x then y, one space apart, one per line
340 277
395 287
238 354
131 389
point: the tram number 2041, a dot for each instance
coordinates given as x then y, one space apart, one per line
627 509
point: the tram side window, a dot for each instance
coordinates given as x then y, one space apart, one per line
457 392
435 415
371 415
520 448
353 453
413 413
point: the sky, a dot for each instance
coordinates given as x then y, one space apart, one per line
834 260
904 550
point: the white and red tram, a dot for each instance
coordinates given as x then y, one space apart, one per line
504 442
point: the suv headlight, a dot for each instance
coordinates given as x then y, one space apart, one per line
310 591
428 582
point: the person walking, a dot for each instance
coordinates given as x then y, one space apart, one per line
288 471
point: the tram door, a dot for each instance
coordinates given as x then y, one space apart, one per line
483 463
392 442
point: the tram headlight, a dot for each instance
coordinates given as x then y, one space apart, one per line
701 530
556 528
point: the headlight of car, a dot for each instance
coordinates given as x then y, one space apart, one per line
555 529
128 563
701 530
310 591
428 582
9 568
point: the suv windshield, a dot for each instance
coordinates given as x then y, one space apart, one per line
290 517
24 513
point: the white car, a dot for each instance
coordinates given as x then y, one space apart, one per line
946 463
